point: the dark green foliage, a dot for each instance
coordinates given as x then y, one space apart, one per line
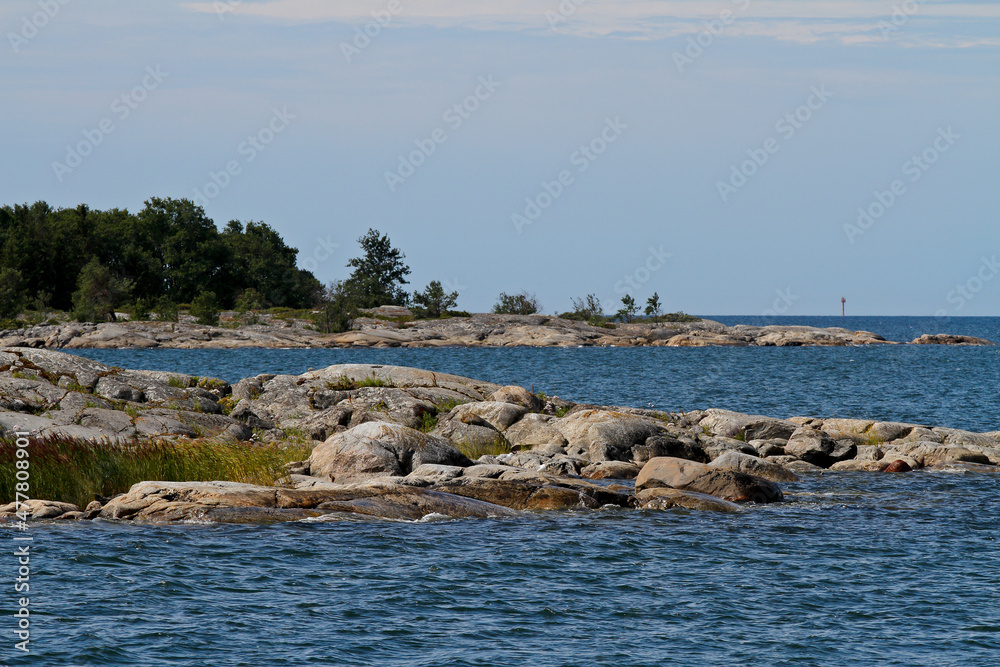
206 308
12 293
336 310
516 304
166 310
653 306
249 300
139 310
98 293
679 317
259 260
379 275
628 309
433 301
168 249
585 310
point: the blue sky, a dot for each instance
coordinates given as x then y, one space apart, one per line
717 153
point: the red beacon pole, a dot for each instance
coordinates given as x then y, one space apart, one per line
843 308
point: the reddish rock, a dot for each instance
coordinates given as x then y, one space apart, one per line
898 466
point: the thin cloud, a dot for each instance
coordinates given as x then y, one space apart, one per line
804 21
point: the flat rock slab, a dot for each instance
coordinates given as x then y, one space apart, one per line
664 499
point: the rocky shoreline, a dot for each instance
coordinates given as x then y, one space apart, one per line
481 330
388 442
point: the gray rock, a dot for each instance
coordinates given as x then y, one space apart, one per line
610 470
818 448
518 396
702 478
499 415
664 499
663 445
730 424
379 449
752 465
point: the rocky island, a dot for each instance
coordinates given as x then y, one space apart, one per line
394 327
405 443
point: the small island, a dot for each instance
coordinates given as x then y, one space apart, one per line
360 440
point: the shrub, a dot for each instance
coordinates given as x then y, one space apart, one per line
139 310
434 301
516 304
206 308
166 310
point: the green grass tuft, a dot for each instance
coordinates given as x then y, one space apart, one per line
73 471
494 446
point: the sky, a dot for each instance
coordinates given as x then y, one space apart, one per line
748 157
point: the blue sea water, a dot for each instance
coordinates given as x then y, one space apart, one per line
851 569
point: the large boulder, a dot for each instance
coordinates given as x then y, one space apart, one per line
666 472
731 424
518 396
605 435
934 454
500 416
379 449
752 465
665 445
535 430
819 448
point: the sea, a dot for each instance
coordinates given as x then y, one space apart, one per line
850 569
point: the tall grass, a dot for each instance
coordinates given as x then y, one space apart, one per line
73 471
494 446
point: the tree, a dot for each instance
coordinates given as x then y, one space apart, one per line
516 304
628 309
259 259
434 300
379 275
206 308
186 243
586 309
98 293
12 293
336 309
653 306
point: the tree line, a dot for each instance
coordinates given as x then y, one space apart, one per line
89 261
